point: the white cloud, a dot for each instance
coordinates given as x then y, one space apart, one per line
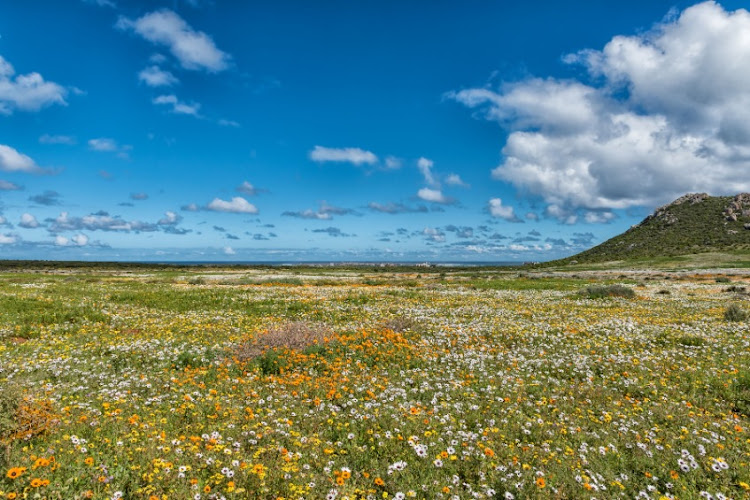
229 251
247 189
237 205
194 49
425 168
500 211
103 144
8 186
598 217
170 219
663 113
61 241
28 92
455 180
178 107
28 221
154 76
433 234
8 239
80 239
57 139
13 161
355 156
433 196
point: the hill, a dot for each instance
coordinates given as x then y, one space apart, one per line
692 224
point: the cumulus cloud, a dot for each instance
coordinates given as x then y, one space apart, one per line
28 221
660 114
433 196
433 234
425 168
500 211
194 49
77 240
154 76
237 205
103 221
455 180
229 251
178 107
8 239
28 92
248 189
355 156
13 161
308 214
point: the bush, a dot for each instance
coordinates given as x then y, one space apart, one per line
600 291
21 417
294 335
723 279
735 313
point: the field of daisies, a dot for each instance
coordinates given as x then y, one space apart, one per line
364 383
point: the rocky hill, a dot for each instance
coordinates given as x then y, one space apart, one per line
694 223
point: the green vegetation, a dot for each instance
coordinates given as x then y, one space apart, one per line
673 233
314 382
601 291
735 313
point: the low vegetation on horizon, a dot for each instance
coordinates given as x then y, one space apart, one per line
372 383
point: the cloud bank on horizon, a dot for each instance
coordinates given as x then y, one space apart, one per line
152 150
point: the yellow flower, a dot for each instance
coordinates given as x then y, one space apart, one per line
36 482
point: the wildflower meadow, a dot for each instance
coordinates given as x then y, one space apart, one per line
369 383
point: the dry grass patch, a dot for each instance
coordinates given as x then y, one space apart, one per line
293 335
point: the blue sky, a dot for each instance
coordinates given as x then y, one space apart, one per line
405 131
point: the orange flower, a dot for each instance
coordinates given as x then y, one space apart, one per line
11 496
207 489
379 481
673 474
15 472
89 461
540 482
36 482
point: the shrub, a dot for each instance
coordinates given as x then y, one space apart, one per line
294 335
735 313
21 417
723 279
400 324
601 291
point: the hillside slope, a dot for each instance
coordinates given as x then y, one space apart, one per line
694 223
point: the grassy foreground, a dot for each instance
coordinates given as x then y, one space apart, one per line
362 383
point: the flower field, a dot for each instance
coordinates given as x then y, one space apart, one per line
446 384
